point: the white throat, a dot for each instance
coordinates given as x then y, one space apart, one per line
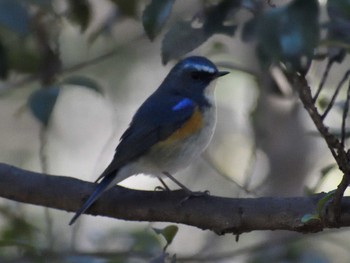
209 92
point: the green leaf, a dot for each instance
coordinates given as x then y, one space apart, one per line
338 29
42 102
155 16
127 7
339 133
307 218
288 34
162 258
3 62
84 82
143 241
323 102
319 209
249 30
80 12
23 55
17 230
339 24
45 4
183 37
308 191
323 201
17 243
14 16
168 233
327 169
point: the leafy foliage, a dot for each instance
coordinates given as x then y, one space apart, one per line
42 102
17 233
169 232
184 37
288 36
80 13
339 15
155 16
22 55
14 16
127 7
84 82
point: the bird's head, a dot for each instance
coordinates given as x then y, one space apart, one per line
192 76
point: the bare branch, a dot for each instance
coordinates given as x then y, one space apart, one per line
331 103
345 115
300 84
323 80
218 214
336 147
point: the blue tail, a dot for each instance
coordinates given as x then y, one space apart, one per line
100 189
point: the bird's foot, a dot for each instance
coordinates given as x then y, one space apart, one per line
161 188
189 193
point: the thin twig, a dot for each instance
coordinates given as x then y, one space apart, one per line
321 178
330 105
335 146
338 196
323 80
226 176
29 79
248 174
44 167
343 163
42 149
305 96
345 115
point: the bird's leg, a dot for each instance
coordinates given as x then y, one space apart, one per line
188 191
184 188
164 188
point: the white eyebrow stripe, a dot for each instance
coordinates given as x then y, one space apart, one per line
199 67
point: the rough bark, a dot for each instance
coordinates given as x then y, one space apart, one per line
218 214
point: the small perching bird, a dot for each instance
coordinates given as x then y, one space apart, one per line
171 128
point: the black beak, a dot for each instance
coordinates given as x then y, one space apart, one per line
221 73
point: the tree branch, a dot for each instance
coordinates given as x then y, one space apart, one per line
221 215
336 147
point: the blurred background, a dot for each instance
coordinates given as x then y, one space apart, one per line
74 72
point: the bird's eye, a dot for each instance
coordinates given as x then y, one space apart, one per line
195 75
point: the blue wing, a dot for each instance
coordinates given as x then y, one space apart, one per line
153 122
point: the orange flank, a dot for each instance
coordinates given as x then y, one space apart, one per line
191 126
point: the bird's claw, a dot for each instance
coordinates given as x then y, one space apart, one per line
161 188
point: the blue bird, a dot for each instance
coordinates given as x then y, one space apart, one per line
172 127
